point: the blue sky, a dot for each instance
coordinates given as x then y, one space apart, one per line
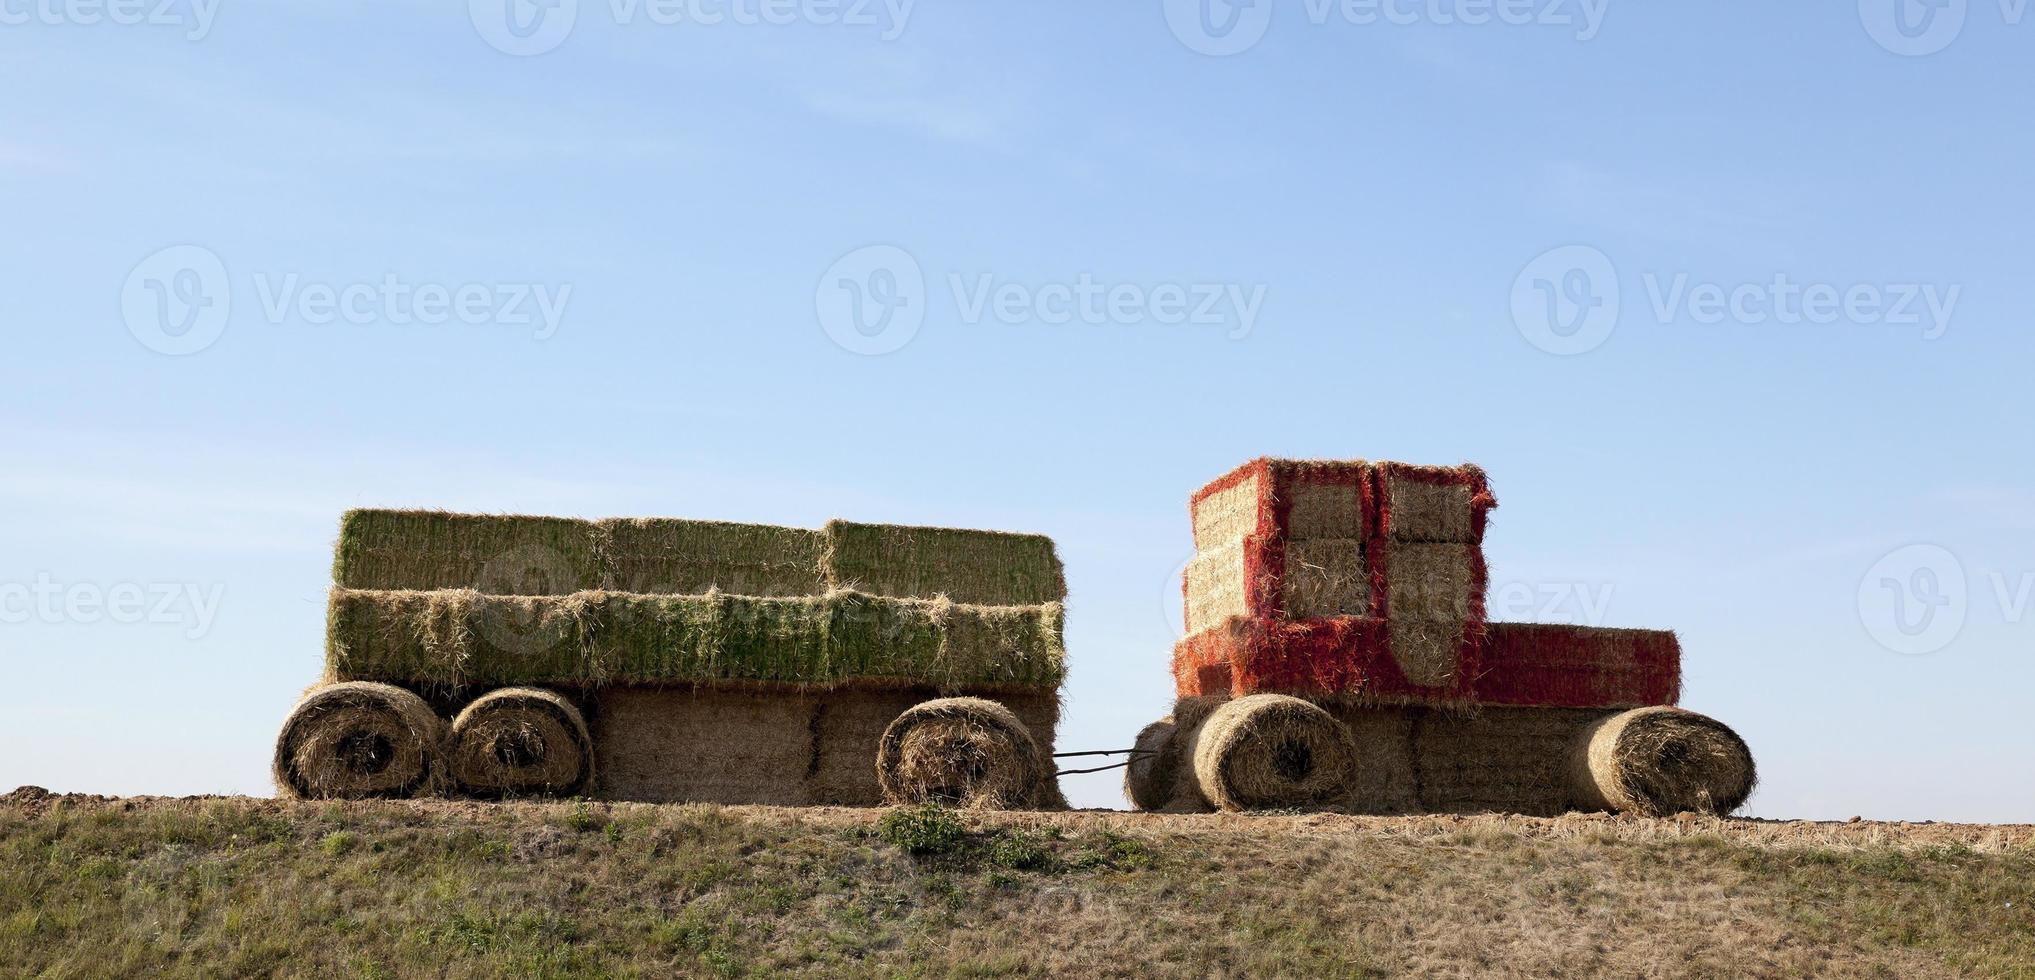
1732 302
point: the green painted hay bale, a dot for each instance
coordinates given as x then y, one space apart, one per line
500 555
980 567
650 639
669 556
456 639
1017 645
873 637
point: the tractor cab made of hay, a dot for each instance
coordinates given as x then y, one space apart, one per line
674 660
1337 656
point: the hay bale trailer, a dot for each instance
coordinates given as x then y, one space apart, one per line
676 660
1337 655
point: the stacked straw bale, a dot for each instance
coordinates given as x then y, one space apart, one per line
460 639
1280 538
1427 547
449 601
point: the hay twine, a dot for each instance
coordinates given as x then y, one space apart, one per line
521 741
1268 751
1660 761
964 752
359 740
1148 778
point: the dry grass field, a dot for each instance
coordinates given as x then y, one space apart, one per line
94 887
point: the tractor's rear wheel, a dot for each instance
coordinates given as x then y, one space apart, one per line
1270 751
965 752
359 740
521 741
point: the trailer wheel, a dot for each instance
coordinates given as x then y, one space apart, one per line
1270 751
966 752
359 740
1148 779
521 741
1660 761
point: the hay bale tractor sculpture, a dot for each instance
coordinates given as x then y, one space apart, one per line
673 660
1337 656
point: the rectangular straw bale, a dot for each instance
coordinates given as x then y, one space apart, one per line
1496 758
454 638
1326 577
1217 586
673 745
872 637
1229 509
1014 645
496 554
1324 500
461 637
1430 654
1432 582
1579 666
1384 780
649 639
983 567
670 556
1433 503
846 727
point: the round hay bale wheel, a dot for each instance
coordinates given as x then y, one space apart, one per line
966 752
521 741
1660 761
1148 780
1270 751
359 740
